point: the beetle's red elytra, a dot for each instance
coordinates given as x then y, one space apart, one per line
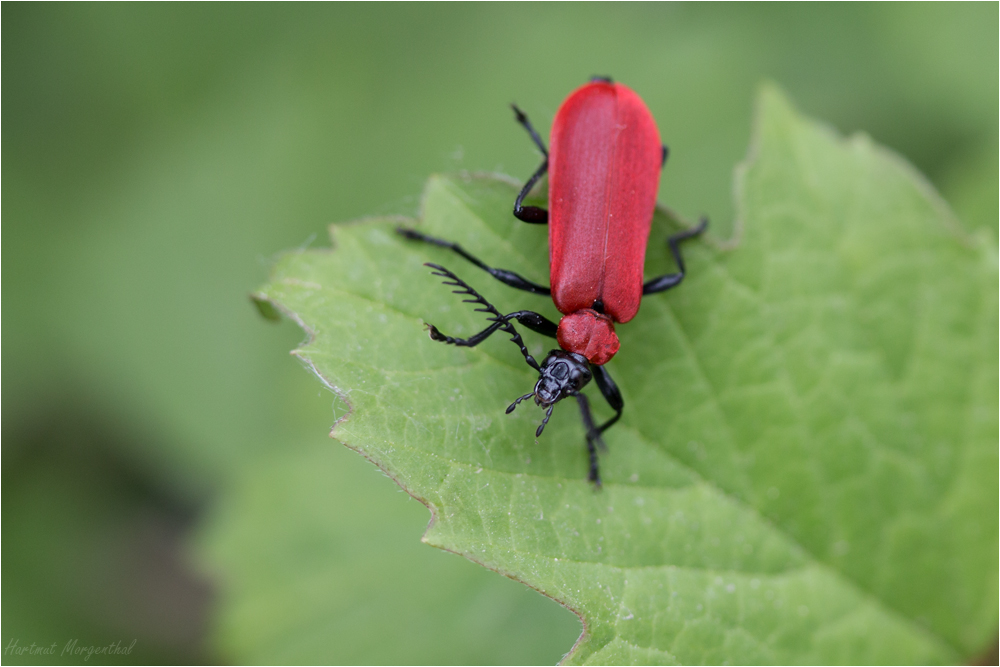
604 171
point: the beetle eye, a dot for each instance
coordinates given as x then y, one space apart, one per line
560 371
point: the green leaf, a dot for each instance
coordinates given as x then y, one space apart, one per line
806 470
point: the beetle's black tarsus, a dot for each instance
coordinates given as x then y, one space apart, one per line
532 214
499 321
435 334
593 439
669 280
666 152
503 275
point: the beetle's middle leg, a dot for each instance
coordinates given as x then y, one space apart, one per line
503 275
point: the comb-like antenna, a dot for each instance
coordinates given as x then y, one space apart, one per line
513 405
541 427
496 317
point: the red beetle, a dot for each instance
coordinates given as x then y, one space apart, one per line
604 170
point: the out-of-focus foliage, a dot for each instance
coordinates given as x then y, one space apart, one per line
156 156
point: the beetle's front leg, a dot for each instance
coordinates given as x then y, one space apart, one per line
610 392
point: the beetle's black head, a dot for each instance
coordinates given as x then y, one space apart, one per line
562 374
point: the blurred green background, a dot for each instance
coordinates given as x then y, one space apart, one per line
158 156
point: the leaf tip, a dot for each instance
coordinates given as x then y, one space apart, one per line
265 307
773 103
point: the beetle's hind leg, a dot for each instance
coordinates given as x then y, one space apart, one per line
522 118
532 214
669 280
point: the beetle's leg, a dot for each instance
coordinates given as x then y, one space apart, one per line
503 275
610 392
530 319
532 214
666 152
534 321
522 118
593 439
669 280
